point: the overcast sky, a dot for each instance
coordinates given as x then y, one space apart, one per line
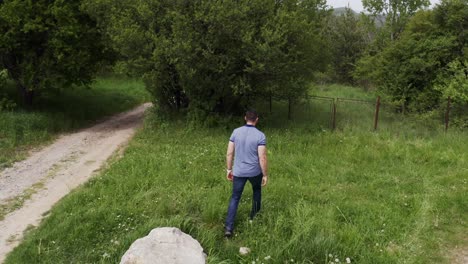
356 5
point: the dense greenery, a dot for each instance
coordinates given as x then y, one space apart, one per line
371 197
393 15
48 44
220 56
346 35
427 61
20 130
217 56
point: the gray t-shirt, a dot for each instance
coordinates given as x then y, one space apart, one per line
246 141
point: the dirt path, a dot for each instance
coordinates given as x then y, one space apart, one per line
459 255
54 171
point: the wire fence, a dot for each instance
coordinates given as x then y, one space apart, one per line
378 115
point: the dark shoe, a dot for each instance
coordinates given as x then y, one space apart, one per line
227 234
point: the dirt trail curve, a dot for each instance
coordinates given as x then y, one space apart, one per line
58 169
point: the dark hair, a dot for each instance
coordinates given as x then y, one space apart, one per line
251 115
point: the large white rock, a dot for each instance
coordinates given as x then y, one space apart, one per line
165 245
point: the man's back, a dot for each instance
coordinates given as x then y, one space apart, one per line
246 140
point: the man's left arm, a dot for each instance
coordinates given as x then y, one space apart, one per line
262 155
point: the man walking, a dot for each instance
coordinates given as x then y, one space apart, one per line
248 146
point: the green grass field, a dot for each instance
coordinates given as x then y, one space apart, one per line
370 197
20 130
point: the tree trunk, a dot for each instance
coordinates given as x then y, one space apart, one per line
27 95
178 99
271 102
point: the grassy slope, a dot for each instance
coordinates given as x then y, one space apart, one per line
75 108
372 197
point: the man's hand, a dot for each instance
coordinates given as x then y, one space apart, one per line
229 176
264 180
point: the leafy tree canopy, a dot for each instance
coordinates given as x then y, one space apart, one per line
48 44
347 41
217 55
431 49
393 14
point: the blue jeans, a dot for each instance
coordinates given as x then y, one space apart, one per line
237 189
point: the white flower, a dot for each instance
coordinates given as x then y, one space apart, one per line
330 255
292 260
267 257
337 260
244 250
348 260
106 255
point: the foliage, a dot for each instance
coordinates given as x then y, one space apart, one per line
407 68
393 14
372 197
6 104
452 17
347 42
217 56
48 44
453 82
3 78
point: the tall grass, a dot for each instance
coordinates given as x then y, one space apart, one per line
371 197
56 113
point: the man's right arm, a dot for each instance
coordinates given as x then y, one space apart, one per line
262 155
229 157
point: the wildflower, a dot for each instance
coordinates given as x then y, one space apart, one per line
330 255
292 260
105 255
267 257
253 261
337 260
348 260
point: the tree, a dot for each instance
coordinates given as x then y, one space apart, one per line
216 56
453 82
452 16
426 61
48 44
393 14
347 42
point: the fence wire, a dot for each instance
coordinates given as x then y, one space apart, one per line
348 114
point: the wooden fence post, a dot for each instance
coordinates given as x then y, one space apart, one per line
271 102
376 115
334 115
447 114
